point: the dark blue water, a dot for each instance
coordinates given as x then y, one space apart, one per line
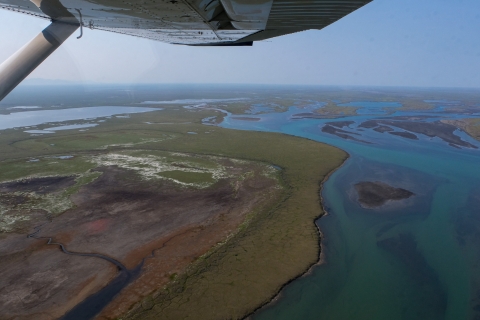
91 306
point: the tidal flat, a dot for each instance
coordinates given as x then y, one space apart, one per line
373 194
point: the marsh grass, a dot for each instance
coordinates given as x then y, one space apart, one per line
46 166
189 177
473 127
415 105
332 109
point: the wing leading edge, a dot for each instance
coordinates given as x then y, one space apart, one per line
192 22
189 22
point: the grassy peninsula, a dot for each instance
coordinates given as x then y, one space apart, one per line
279 243
469 125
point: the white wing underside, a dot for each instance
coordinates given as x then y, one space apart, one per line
192 22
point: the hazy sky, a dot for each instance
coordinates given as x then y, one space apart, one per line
387 42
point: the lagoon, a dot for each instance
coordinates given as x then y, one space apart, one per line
37 117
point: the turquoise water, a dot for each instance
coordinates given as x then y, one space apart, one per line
415 259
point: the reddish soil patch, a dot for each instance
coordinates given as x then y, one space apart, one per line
97 226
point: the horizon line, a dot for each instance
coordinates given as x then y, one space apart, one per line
59 82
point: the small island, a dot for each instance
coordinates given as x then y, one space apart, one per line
375 194
246 118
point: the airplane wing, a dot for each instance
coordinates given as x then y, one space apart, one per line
192 22
188 22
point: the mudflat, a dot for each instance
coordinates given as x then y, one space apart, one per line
375 194
347 135
440 129
404 134
246 118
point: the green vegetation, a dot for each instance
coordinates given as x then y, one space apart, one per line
332 109
274 246
108 140
278 105
36 206
473 127
236 107
42 167
13 215
189 177
185 170
415 105
469 125
282 104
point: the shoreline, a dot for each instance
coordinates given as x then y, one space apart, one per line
321 254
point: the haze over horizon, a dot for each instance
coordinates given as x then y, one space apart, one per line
386 43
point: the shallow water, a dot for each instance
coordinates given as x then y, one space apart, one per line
94 304
33 118
66 127
414 259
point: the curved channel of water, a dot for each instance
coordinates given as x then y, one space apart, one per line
414 260
92 305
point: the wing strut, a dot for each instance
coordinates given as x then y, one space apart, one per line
26 59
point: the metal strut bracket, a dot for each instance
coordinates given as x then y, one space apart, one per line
81 23
26 59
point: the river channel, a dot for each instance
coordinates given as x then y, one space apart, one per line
91 306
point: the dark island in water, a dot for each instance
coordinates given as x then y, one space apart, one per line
375 194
